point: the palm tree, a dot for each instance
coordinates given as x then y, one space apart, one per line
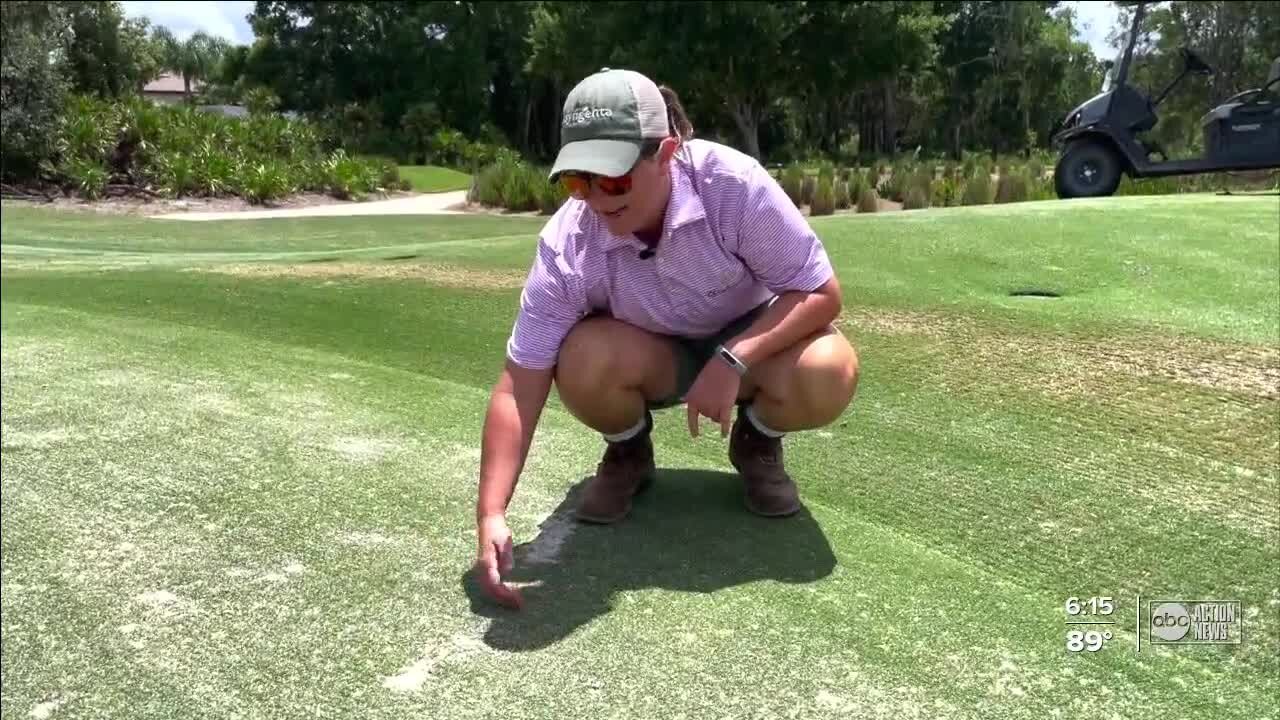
195 58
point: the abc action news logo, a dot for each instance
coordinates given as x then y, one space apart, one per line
1196 622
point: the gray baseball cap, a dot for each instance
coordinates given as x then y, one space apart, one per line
607 118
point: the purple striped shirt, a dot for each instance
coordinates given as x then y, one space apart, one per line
725 249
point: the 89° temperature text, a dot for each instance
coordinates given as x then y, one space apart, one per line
1087 640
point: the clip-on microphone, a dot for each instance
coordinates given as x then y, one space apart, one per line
650 250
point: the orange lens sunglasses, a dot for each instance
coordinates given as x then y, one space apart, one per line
579 184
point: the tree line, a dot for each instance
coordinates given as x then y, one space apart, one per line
783 81
779 80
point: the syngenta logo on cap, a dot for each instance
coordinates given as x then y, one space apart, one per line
582 116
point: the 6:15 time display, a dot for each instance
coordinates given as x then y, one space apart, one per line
1090 606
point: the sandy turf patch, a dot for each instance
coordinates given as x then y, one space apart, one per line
1248 370
431 273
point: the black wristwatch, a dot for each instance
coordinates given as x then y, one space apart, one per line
731 359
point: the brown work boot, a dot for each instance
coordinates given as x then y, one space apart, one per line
758 458
626 470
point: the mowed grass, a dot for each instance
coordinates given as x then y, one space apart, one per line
240 462
434 179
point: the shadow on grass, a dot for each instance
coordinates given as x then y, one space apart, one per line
689 532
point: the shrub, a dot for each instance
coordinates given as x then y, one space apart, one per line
916 199
895 186
807 189
87 177
1035 169
388 171
214 171
261 135
87 131
883 186
922 180
261 100
978 191
262 181
552 195
793 183
826 172
176 174
520 192
868 201
843 199
476 155
514 185
489 183
311 174
944 192
1040 188
1011 188
1148 186
141 126
824 198
183 150
857 183
348 178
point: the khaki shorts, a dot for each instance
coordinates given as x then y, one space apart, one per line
692 354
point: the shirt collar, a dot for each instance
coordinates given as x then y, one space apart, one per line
683 207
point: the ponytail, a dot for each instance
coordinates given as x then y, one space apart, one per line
676 117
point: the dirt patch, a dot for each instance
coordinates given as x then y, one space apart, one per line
413 677
906 322
47 708
15 439
1245 370
1248 371
366 539
361 449
431 273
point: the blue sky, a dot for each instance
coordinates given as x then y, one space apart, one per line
1095 19
222 18
227 19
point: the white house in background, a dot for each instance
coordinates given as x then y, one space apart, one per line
168 88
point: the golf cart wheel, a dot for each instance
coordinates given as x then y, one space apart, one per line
1088 168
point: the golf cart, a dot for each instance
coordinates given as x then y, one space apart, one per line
1100 139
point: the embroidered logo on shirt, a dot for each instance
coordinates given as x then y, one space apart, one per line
726 280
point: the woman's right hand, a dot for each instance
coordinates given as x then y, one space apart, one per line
495 559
